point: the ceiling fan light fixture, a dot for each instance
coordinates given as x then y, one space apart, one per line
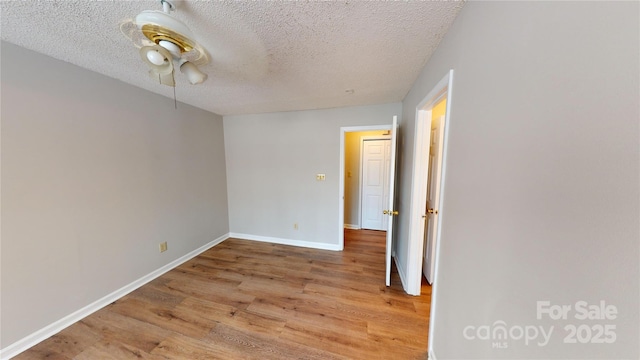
174 49
157 58
164 40
192 72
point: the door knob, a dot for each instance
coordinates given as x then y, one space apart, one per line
432 211
386 212
393 212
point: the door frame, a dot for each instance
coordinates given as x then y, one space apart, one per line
343 133
419 182
361 168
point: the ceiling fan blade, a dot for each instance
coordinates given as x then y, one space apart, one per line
130 30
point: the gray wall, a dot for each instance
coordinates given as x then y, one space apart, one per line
272 160
95 174
542 183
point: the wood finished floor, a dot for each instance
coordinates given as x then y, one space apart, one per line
251 300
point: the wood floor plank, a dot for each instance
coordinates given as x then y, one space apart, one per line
180 347
255 346
332 341
322 279
123 329
65 345
348 296
155 295
282 287
251 300
243 319
397 338
202 290
42 351
283 306
342 273
105 350
174 319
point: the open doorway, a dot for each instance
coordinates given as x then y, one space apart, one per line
350 176
425 221
389 211
434 172
366 179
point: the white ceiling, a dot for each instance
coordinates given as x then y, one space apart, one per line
266 56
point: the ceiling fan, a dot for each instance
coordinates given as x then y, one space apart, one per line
165 41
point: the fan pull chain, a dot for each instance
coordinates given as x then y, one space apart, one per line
175 102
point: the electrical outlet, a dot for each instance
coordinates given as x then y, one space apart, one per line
295 226
320 177
163 246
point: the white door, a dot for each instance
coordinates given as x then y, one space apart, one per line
375 183
390 211
433 197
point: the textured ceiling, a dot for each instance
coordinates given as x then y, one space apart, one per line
265 56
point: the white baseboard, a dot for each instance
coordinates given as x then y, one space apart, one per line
301 243
352 226
403 276
57 326
431 356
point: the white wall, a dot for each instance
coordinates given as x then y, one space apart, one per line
95 174
542 185
272 161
